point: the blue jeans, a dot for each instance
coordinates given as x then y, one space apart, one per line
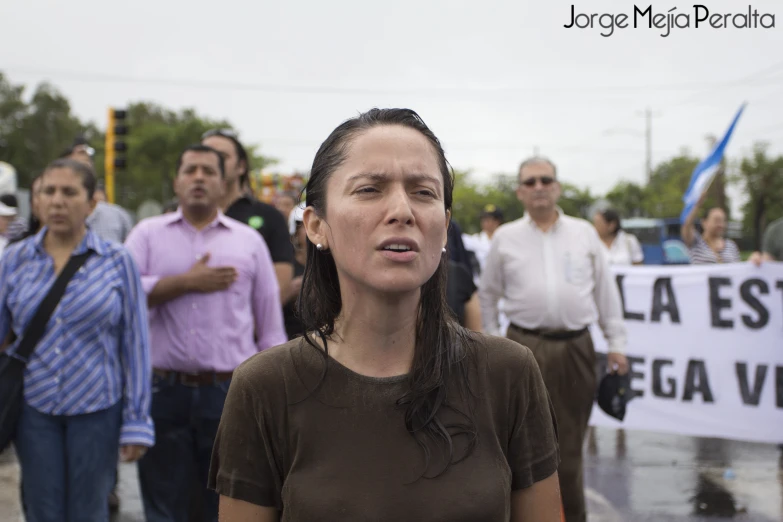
186 422
68 463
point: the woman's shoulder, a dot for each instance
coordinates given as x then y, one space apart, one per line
502 358
268 364
276 374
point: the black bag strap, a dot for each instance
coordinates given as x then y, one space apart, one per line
37 326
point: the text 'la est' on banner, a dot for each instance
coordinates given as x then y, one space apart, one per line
705 347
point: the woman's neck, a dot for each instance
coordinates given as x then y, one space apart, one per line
608 239
375 334
714 242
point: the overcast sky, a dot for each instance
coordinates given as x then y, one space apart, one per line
494 79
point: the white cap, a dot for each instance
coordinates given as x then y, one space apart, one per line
296 216
6 211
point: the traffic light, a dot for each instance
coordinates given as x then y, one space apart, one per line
116 130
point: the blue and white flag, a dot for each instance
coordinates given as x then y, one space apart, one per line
705 171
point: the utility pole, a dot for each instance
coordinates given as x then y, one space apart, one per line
648 116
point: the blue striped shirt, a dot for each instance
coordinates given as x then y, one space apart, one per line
95 351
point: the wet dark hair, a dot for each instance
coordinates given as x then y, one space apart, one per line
198 147
610 215
89 181
438 377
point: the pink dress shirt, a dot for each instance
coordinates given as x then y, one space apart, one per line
199 332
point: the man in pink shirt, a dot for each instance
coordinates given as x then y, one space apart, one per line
213 302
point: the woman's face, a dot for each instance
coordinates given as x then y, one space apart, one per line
385 222
64 204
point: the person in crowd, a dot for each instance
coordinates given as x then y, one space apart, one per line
552 271
17 224
109 221
214 302
711 246
386 409
478 247
33 224
238 204
491 219
7 216
112 223
87 384
285 203
462 297
620 247
456 248
772 244
80 151
293 326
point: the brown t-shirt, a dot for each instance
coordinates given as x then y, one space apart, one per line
342 452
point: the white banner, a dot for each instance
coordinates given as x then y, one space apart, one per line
705 346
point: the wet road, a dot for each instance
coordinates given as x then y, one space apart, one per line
638 477
641 476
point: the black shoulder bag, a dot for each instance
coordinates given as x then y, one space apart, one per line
12 365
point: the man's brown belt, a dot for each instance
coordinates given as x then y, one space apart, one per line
555 335
194 379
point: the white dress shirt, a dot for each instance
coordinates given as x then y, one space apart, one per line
559 279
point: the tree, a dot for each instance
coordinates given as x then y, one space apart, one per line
156 138
669 181
629 199
32 134
470 198
576 201
762 178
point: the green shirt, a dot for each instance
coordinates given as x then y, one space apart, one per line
773 240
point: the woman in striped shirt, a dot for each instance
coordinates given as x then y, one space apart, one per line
87 384
710 246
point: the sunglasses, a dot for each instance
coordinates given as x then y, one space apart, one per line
225 133
545 181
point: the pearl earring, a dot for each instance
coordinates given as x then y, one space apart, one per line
444 250
319 246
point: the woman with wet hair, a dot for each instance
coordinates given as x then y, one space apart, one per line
386 409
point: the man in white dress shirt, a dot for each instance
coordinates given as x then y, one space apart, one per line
551 270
